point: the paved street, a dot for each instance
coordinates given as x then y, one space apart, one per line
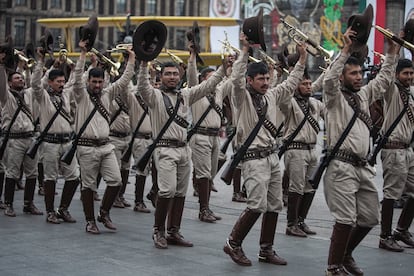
30 246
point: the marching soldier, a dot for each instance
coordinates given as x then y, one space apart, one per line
54 104
302 115
95 153
256 106
172 155
349 187
17 122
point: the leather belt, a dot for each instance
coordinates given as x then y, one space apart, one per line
92 142
118 134
20 135
258 153
170 143
396 145
351 158
208 131
301 146
145 136
58 138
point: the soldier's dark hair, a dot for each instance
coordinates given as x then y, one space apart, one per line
351 61
402 64
96 73
168 64
256 68
205 72
10 76
53 74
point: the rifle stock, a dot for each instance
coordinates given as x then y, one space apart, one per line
228 172
144 159
317 174
226 144
372 157
31 152
67 157
127 154
3 146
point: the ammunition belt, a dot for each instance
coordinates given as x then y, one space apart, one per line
145 136
118 134
351 158
57 138
20 135
208 131
258 153
301 146
92 142
170 143
396 145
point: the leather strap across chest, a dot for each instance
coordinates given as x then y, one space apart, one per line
306 111
169 107
355 104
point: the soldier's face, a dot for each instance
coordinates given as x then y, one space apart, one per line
305 88
170 77
351 77
57 84
16 82
406 76
260 83
95 85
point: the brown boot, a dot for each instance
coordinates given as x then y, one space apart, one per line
241 228
49 189
104 218
175 215
387 241
111 192
124 176
358 233
68 192
139 194
203 198
404 222
161 211
29 189
88 210
339 242
9 187
304 207
52 218
267 235
292 228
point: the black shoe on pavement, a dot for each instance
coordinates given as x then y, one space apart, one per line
404 236
390 244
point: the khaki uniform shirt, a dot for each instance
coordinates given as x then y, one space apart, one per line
98 127
158 113
47 108
136 111
247 115
339 112
9 106
393 105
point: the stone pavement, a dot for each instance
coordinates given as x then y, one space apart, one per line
30 246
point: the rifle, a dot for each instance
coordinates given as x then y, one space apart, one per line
328 156
289 141
31 152
144 159
226 144
67 157
372 157
7 133
127 154
228 172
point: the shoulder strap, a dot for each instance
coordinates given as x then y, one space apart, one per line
62 112
24 107
198 123
177 118
122 107
217 108
312 121
141 102
291 137
49 124
86 123
100 108
169 121
352 101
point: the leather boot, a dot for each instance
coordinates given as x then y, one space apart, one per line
195 185
40 178
339 243
304 207
404 223
292 228
139 194
153 194
285 187
49 188
237 194
358 233
111 192
9 188
29 189
69 189
2 205
203 198
124 176
88 210
161 211
387 241
241 228
267 235
175 216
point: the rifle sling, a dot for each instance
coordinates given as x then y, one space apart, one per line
85 124
198 123
122 107
292 136
24 107
62 112
312 121
177 118
49 124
